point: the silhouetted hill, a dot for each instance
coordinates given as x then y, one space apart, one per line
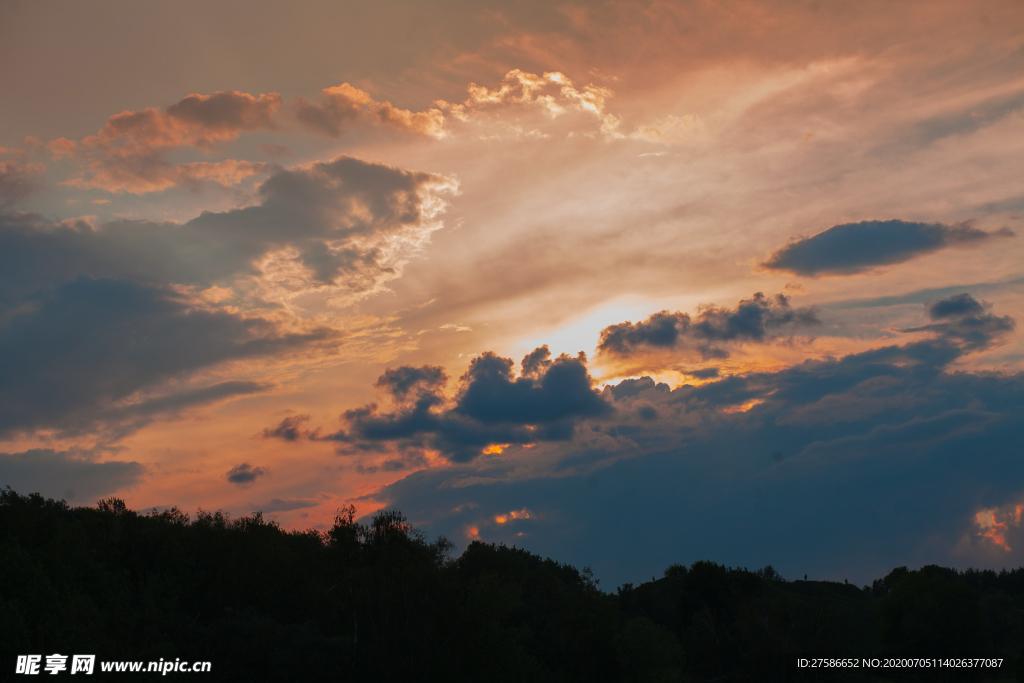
381 603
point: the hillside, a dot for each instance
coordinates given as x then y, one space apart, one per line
379 602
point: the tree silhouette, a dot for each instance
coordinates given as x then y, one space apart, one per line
378 602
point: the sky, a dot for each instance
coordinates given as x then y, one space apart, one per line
623 283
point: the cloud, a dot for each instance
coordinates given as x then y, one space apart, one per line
125 417
857 247
1001 525
287 429
406 460
103 323
401 381
834 467
94 350
553 91
628 388
923 295
957 306
129 154
339 107
19 179
345 223
544 393
492 408
178 400
245 474
671 130
753 320
142 175
205 120
555 94
132 152
62 474
963 320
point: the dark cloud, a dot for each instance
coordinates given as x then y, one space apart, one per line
287 429
753 320
493 406
562 390
77 478
245 474
925 295
536 362
118 421
339 217
72 355
178 400
633 387
840 468
95 321
905 368
409 459
647 412
856 247
956 306
962 320
401 381
662 330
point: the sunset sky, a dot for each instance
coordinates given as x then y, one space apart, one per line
623 283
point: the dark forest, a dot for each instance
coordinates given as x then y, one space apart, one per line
379 602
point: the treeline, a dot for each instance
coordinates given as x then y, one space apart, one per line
379 602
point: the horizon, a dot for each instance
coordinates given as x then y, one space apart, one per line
625 284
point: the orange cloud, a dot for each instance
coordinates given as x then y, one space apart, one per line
343 105
128 153
223 115
743 407
145 175
553 91
994 524
670 130
199 121
513 515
